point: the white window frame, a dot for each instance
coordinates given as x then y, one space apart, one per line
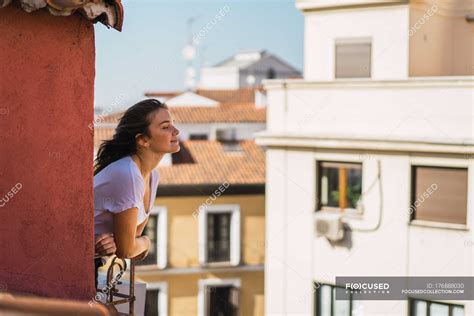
162 236
234 209
204 283
162 296
347 158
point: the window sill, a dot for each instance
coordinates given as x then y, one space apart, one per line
348 213
224 264
148 267
423 223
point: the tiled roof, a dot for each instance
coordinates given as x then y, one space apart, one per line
229 113
224 113
242 95
108 12
165 94
212 165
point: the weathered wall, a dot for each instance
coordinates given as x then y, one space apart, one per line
46 103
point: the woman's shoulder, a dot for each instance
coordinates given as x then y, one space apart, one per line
119 170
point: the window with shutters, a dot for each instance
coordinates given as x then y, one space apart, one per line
439 194
218 237
219 297
151 302
219 234
156 230
156 299
151 230
353 58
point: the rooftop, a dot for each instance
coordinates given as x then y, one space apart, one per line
223 113
242 95
213 165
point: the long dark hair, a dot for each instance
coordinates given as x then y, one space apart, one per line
134 121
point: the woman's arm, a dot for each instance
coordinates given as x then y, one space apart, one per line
125 230
142 226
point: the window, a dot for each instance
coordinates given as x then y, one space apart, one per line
151 230
183 156
428 308
339 185
353 58
439 194
218 297
218 237
198 137
156 299
219 234
271 73
226 134
156 230
151 302
223 300
326 304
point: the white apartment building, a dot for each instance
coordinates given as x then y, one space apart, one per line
370 157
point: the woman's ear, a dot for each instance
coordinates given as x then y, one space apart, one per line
141 140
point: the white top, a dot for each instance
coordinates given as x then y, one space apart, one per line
118 187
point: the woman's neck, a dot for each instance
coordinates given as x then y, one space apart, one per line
147 161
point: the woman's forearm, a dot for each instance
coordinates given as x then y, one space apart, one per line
140 245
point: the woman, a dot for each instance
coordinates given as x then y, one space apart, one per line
126 180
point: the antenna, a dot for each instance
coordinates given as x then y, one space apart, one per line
189 52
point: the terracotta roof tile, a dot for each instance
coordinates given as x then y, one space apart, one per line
235 113
242 95
212 165
224 113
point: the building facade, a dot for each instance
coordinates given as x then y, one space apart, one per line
370 168
207 226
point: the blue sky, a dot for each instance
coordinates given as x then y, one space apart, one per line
147 54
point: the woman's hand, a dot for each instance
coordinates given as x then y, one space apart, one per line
104 245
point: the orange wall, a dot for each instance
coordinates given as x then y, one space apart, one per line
183 249
46 103
441 40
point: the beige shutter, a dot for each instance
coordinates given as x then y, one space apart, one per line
447 201
353 60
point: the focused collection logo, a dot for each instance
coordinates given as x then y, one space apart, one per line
367 287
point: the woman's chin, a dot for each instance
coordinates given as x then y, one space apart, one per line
175 148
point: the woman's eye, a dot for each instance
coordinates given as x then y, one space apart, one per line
165 126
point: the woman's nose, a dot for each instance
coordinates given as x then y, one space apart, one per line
176 131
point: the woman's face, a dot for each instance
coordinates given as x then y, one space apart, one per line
163 133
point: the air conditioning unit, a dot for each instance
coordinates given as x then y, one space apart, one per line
330 225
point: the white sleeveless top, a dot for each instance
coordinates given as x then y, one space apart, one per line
118 187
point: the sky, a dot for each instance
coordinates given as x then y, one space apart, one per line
147 54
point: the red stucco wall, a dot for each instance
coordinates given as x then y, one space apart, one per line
46 104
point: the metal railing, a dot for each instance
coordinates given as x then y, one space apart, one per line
114 279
